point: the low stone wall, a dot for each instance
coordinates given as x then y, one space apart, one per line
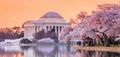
108 49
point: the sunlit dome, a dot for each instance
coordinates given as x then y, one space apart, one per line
51 15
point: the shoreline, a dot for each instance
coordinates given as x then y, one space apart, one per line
106 49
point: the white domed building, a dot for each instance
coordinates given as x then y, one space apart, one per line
50 20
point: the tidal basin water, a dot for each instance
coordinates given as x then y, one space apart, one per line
50 50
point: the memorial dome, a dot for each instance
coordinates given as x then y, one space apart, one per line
51 15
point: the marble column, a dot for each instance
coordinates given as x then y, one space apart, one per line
45 28
55 29
38 28
58 30
35 29
48 28
52 27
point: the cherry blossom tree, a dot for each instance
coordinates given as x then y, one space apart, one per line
102 25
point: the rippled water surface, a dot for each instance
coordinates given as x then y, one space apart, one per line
50 50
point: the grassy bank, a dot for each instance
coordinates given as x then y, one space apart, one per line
108 49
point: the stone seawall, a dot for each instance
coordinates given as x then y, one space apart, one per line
108 49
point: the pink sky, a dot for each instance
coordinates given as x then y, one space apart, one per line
16 12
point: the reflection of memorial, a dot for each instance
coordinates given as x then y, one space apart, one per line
46 51
49 50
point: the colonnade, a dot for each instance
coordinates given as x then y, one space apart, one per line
57 29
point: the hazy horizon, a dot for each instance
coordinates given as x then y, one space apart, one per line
16 12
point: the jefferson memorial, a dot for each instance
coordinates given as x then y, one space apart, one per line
47 22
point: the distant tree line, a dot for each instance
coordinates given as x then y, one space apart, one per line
11 33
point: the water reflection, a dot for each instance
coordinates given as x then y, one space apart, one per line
41 50
50 50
